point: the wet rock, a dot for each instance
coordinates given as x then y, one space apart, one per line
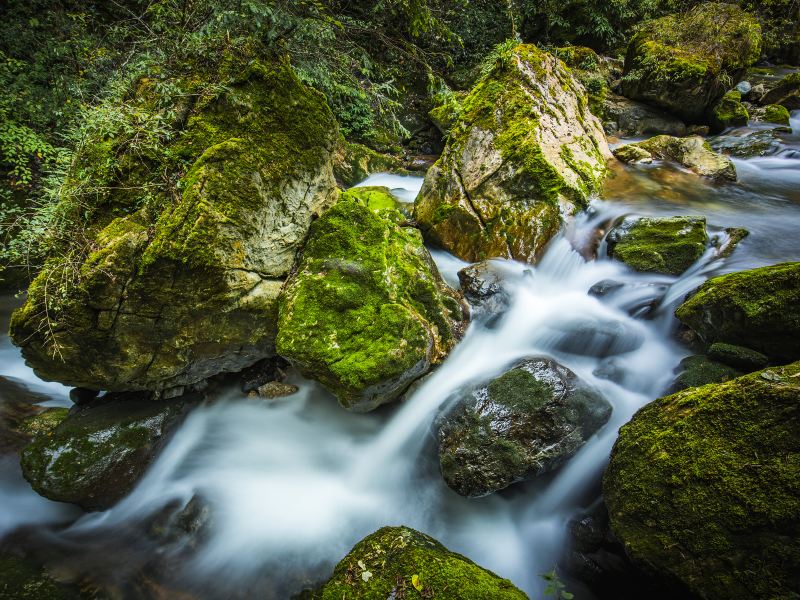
277 389
772 113
187 286
628 118
693 152
81 396
513 167
695 371
757 309
482 285
729 242
738 357
17 404
353 163
399 562
526 422
95 454
366 313
670 63
703 487
659 244
263 372
593 337
606 287
24 579
634 155
786 93
743 87
748 144
729 112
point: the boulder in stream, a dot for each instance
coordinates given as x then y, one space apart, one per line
772 113
366 312
524 151
658 244
786 93
758 309
399 562
692 152
703 487
527 421
628 118
685 62
729 112
93 455
168 286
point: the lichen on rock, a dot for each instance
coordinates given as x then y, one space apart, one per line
524 151
366 312
703 487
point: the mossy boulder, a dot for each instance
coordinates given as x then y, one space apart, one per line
399 562
786 93
524 151
659 244
23 579
353 163
772 113
692 152
526 422
94 455
757 309
703 487
729 112
366 312
695 371
685 62
738 357
166 287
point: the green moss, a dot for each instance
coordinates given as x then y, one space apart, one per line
701 370
44 423
704 486
366 312
775 113
739 357
396 558
21 579
729 112
519 389
355 162
758 309
662 245
375 198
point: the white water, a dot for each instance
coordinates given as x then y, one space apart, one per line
293 484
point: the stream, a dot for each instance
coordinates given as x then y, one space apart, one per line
293 484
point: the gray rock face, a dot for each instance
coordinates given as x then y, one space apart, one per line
528 421
524 152
628 118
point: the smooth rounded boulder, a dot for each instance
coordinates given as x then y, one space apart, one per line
692 152
367 312
524 152
165 286
685 62
703 487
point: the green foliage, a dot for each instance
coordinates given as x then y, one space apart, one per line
555 587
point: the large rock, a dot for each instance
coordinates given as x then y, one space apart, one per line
94 455
24 579
658 244
528 421
684 63
366 312
185 287
729 112
758 309
524 151
786 93
692 152
399 562
703 487
629 118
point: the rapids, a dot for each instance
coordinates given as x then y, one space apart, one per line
293 484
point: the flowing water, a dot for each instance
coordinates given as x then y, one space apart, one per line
292 484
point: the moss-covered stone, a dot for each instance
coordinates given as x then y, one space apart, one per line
703 487
172 289
662 245
399 562
94 456
526 422
22 579
702 370
729 112
353 163
773 113
367 312
524 148
633 154
685 62
692 152
757 309
786 93
738 357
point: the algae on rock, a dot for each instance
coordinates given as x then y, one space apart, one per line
178 286
703 487
366 312
399 562
523 152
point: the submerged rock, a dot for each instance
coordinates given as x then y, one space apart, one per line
366 312
692 152
786 93
524 151
399 562
729 112
94 455
703 487
658 244
528 421
757 309
685 62
186 286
